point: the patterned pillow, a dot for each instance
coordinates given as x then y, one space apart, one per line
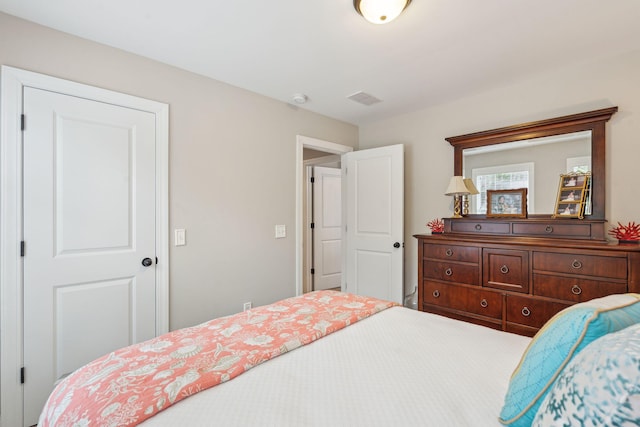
599 387
560 339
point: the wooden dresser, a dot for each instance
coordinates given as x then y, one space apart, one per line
515 275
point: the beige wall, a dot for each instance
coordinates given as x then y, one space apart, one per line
232 167
584 87
232 171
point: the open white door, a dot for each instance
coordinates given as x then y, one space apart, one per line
373 212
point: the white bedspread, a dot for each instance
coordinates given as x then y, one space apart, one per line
400 367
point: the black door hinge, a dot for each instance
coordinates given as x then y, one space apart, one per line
313 180
22 375
156 260
313 271
22 248
21 121
313 225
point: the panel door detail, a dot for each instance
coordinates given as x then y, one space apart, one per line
89 221
327 231
374 222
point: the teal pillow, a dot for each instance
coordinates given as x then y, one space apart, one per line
560 339
599 387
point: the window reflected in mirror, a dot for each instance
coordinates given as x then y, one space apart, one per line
501 177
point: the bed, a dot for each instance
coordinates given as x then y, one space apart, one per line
390 366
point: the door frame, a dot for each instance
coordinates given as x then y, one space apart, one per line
303 142
307 232
12 82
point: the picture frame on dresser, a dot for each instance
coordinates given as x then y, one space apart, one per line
507 203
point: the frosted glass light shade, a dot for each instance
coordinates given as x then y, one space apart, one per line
380 11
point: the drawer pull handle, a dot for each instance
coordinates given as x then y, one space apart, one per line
576 264
478 227
448 272
484 303
449 252
526 312
548 229
576 290
504 269
436 294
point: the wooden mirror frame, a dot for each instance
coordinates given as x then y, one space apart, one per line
593 120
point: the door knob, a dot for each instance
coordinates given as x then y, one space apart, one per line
396 245
147 262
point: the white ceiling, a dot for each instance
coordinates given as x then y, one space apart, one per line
436 51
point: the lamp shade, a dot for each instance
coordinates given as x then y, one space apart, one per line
468 182
380 11
456 187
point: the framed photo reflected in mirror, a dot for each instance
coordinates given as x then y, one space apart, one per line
507 203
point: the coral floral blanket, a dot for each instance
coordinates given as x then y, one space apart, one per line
129 385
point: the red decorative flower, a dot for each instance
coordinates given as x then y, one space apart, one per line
626 232
436 225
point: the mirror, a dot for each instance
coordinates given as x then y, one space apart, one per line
572 139
535 164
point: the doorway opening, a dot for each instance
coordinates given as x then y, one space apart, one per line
322 263
318 149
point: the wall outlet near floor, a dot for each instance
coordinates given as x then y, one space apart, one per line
246 306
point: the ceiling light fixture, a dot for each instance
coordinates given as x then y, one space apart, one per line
380 11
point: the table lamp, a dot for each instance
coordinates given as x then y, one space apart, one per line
457 189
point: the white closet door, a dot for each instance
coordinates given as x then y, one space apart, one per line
89 222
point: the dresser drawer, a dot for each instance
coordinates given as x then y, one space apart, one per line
506 269
452 272
452 252
583 264
552 230
490 227
574 289
476 301
531 312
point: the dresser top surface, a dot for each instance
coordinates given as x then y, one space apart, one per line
530 241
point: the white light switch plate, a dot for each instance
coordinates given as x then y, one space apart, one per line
180 237
281 231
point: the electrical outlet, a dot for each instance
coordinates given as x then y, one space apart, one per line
246 306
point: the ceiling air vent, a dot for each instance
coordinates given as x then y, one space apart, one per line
364 98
